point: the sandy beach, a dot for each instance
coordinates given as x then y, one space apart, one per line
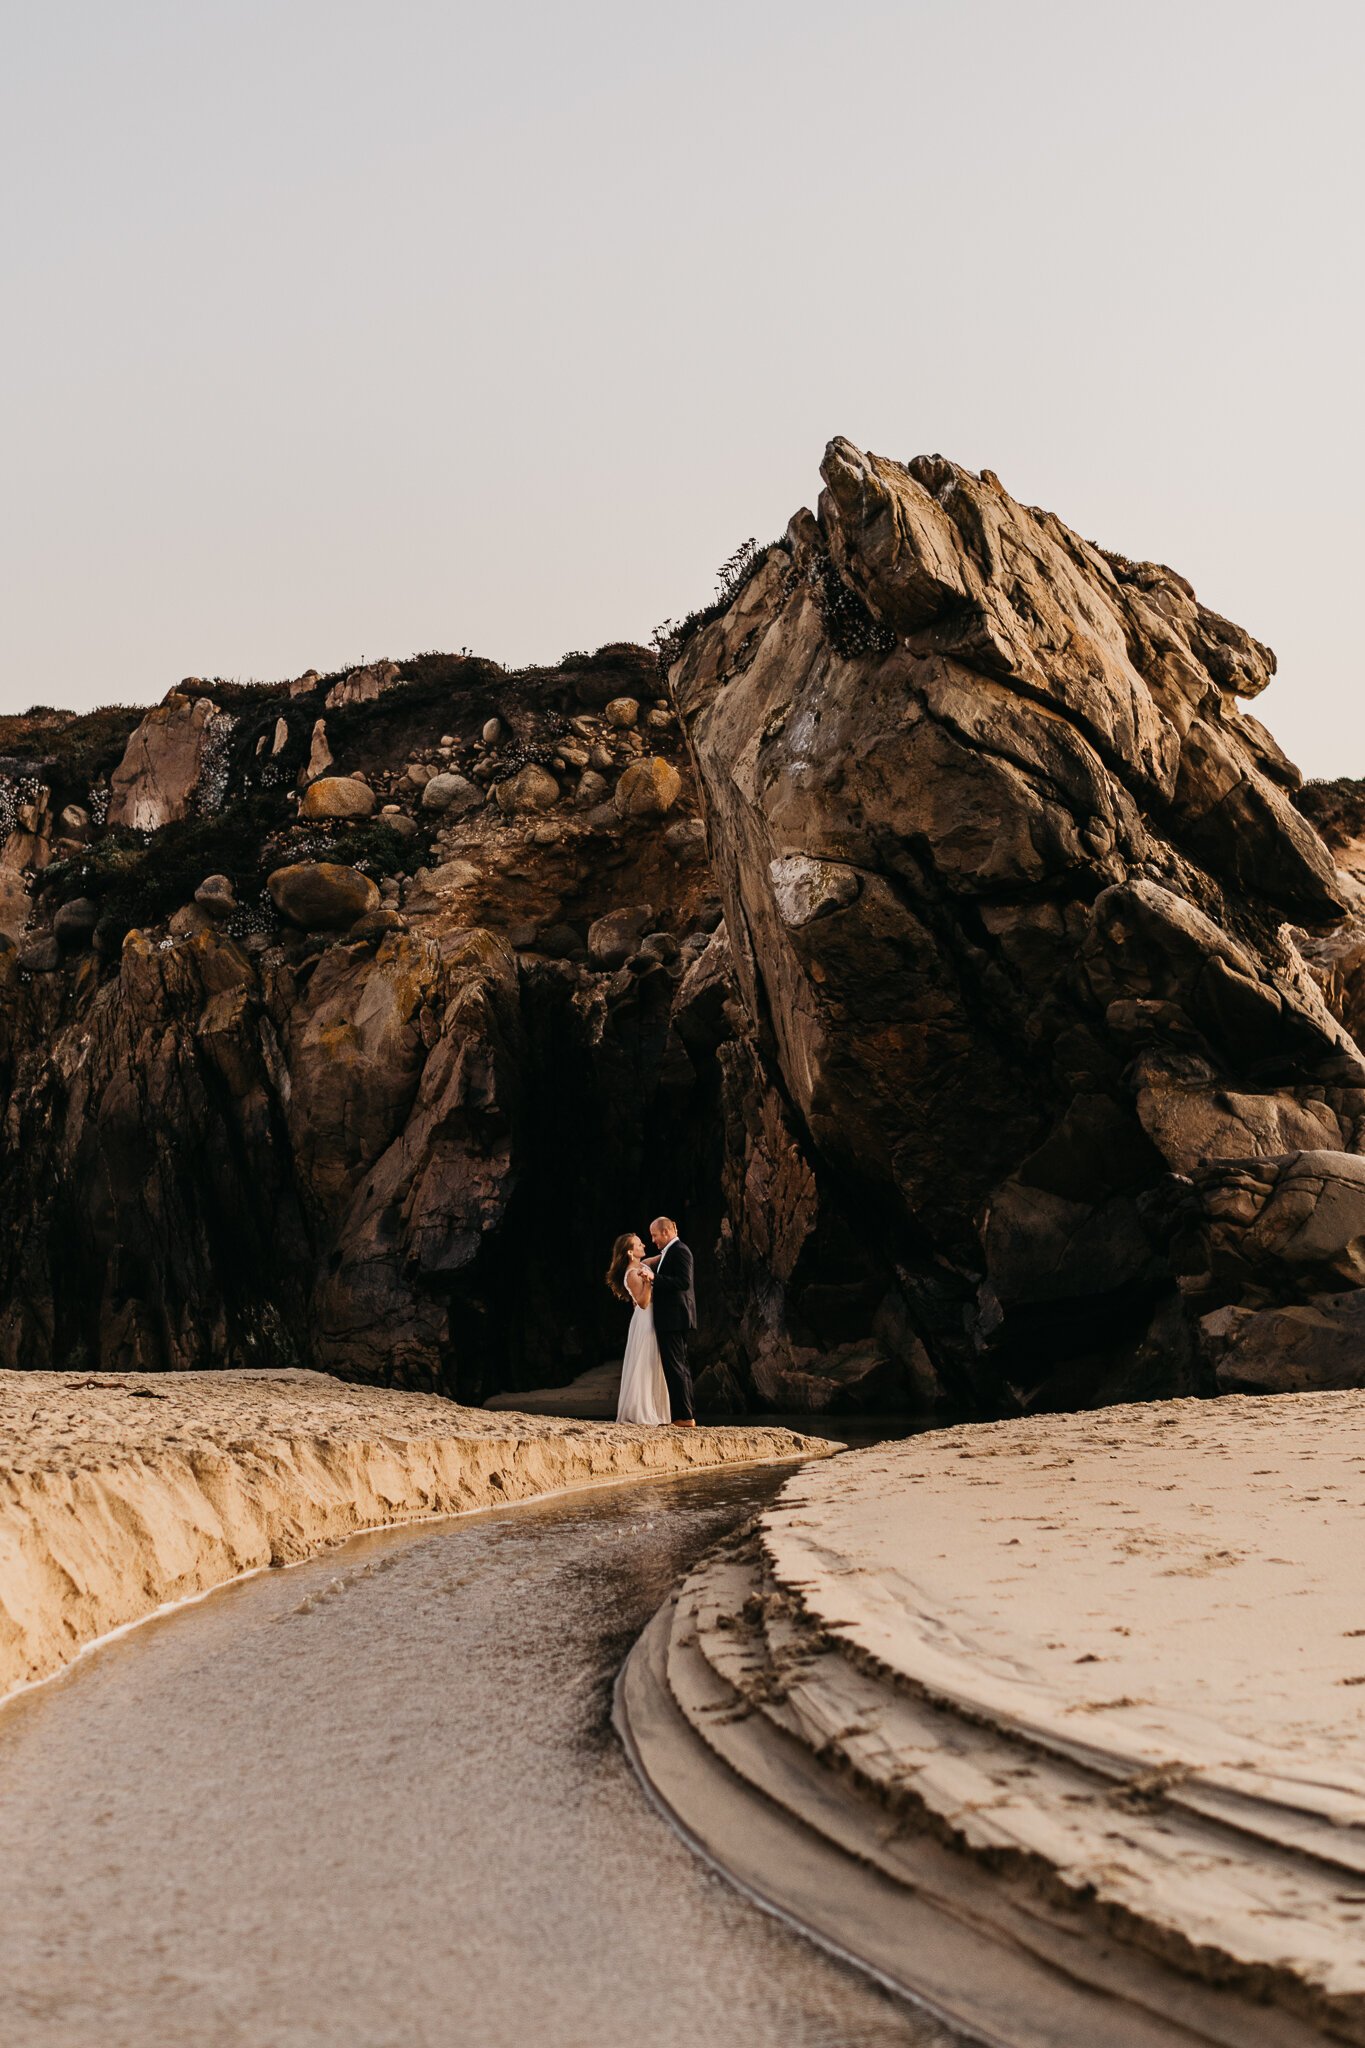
1180 1580
121 1494
1114 1661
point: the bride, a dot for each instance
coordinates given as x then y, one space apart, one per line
644 1391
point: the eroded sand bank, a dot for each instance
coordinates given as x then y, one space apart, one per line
123 1493
1115 1662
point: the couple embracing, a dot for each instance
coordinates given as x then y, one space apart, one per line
656 1384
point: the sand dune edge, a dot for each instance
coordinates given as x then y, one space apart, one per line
122 1494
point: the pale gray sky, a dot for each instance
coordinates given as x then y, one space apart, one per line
334 330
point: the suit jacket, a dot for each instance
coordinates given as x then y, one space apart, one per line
675 1305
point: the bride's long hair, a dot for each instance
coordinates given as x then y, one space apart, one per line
620 1259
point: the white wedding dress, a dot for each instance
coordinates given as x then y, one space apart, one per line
644 1390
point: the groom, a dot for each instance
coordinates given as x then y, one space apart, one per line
675 1313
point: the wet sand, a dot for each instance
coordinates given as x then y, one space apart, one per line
375 1802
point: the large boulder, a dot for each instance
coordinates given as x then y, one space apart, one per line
615 938
1022 1069
1006 875
1310 1347
40 953
337 796
75 922
1293 1225
452 796
648 788
157 779
530 789
322 895
217 896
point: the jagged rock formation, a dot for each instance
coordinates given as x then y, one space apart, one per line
1009 878
347 1019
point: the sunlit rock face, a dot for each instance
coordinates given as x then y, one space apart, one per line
165 762
1009 879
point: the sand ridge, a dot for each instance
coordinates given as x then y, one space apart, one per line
123 1493
1176 1583
1112 1663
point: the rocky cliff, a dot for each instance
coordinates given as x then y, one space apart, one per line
339 1028
1019 902
932 930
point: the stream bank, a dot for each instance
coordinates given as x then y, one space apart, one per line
376 1802
123 1493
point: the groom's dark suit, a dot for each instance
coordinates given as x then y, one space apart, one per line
675 1313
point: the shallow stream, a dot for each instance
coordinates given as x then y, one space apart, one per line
375 1801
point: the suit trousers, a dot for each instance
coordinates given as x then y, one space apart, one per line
677 1372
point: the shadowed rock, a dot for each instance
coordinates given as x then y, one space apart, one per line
320 896
1025 1051
1006 874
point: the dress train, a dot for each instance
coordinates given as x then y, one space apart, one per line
644 1390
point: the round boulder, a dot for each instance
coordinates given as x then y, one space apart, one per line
648 788
492 732
614 938
622 712
337 796
451 795
530 789
399 822
40 955
75 922
216 895
322 896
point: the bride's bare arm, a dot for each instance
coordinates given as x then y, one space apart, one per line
640 1286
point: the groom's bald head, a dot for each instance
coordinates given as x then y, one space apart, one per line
663 1230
